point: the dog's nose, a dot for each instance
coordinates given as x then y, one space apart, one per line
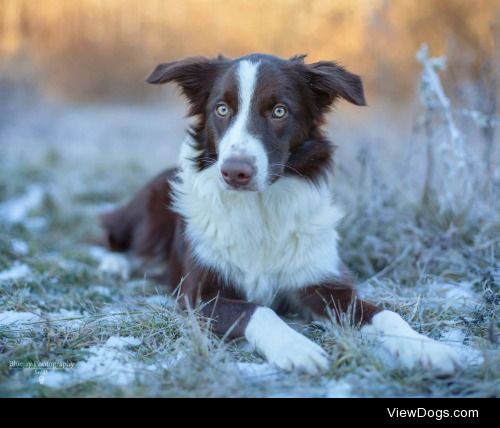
237 172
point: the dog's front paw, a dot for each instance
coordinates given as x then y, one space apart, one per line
420 351
297 352
116 265
283 346
409 348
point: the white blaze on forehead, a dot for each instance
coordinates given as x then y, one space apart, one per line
247 79
238 141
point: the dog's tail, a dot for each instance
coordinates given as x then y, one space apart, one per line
145 226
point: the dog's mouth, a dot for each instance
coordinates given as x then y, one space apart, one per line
250 187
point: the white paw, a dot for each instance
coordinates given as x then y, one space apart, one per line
116 265
283 346
414 352
409 348
297 353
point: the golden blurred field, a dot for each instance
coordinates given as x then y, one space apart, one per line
84 50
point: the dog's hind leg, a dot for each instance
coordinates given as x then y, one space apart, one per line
142 229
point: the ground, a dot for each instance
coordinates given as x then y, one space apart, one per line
68 330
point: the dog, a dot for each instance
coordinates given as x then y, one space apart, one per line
247 222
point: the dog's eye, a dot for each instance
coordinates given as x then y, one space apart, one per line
222 109
279 111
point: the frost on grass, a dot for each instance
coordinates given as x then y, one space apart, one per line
15 272
67 319
469 355
110 362
17 210
18 319
339 389
453 295
19 247
422 240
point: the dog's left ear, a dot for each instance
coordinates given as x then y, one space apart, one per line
330 81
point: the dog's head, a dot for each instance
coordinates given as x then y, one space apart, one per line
259 115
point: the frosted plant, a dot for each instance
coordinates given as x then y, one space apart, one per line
449 179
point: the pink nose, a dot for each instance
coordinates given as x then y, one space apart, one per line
237 172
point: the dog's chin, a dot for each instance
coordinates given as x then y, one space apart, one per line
248 188
252 187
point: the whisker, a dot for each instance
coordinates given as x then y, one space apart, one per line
205 158
289 167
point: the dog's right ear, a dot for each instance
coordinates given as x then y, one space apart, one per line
194 75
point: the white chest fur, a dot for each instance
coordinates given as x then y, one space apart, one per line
280 239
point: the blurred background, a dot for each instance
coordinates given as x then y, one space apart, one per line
97 52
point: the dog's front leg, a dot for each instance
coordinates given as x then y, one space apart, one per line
393 333
274 339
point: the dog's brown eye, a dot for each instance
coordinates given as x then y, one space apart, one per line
222 109
279 111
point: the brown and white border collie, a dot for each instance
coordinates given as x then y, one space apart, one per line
247 222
